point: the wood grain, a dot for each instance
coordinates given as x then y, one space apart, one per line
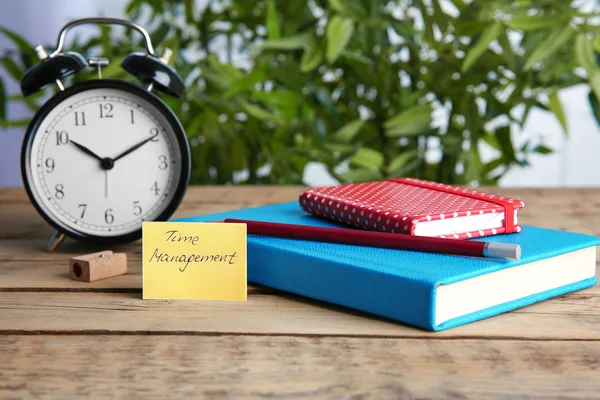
246 367
573 209
18 218
51 274
567 317
66 339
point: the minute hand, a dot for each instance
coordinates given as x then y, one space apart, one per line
135 147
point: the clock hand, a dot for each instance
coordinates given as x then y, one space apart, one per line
131 149
105 183
86 150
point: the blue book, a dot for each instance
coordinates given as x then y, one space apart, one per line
427 290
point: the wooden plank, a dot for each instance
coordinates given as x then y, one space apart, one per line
274 194
18 218
19 221
571 209
262 194
566 317
18 276
51 273
33 247
247 367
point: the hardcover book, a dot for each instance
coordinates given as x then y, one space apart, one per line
427 290
415 207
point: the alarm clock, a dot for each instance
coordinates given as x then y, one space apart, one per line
102 156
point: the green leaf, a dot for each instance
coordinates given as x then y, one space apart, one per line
541 149
279 98
359 175
367 158
585 56
12 68
347 132
556 107
133 8
189 11
257 112
2 101
273 29
156 36
409 122
471 27
492 165
595 106
490 34
337 6
491 140
17 123
585 52
324 99
338 147
246 83
507 51
339 31
226 70
549 45
597 44
114 69
472 165
312 57
24 46
211 77
357 57
401 160
505 141
531 22
288 43
350 8
403 29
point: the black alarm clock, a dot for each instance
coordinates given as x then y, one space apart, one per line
102 156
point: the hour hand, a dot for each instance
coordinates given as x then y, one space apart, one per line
86 150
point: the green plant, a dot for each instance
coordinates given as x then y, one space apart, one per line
369 88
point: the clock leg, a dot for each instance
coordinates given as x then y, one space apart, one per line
55 240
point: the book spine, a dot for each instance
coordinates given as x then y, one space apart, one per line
316 277
356 214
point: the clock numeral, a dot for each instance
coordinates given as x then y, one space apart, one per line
155 188
83 208
79 118
106 110
59 191
108 216
154 131
163 163
62 137
132 120
49 163
137 209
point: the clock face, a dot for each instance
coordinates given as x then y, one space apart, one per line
104 156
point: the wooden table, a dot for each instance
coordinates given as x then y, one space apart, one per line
67 339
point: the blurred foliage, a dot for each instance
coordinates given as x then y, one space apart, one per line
370 88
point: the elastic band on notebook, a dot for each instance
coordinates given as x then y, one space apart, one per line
508 205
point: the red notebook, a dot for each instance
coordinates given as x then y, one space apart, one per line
415 207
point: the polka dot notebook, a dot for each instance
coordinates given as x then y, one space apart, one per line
415 207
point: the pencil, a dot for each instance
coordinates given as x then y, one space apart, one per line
382 239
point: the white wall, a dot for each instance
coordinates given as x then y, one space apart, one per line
575 163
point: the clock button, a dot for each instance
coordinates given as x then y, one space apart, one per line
107 163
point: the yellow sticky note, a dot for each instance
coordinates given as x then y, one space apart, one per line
194 260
